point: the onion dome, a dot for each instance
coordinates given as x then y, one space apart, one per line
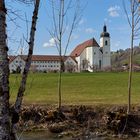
105 33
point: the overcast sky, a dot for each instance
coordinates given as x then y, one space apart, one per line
95 14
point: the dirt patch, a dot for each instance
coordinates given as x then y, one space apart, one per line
81 121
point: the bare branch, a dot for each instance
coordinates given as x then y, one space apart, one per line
26 27
53 36
74 23
13 20
128 19
16 14
26 1
54 18
68 7
137 29
137 20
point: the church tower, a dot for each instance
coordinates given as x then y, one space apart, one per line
105 46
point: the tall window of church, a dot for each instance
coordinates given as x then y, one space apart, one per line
106 42
100 63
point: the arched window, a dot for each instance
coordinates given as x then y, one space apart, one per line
106 42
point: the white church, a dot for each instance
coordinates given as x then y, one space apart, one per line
90 55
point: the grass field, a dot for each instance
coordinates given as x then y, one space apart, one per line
78 88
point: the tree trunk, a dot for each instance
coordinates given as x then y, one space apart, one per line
59 88
131 59
130 75
22 87
4 77
61 22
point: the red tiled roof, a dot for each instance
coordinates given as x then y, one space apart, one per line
42 57
80 48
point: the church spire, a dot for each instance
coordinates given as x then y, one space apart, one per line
104 33
104 28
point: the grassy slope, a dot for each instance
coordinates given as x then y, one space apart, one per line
124 59
137 59
78 88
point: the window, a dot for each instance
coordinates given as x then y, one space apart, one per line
106 42
100 64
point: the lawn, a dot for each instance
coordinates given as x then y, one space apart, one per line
78 88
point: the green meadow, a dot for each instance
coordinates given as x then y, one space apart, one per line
77 88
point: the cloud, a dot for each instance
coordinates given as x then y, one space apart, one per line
106 20
82 21
114 11
117 44
50 43
74 37
89 30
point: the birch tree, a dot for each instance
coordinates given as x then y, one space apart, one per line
62 30
9 118
134 23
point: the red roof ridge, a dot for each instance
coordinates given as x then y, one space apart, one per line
42 57
80 48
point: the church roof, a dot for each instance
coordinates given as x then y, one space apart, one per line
80 48
41 57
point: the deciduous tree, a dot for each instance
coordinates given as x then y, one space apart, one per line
8 117
62 29
134 22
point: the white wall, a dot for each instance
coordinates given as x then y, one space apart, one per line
93 56
78 63
70 61
39 65
89 51
96 56
106 51
82 57
46 65
15 63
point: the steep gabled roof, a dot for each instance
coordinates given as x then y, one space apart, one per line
80 48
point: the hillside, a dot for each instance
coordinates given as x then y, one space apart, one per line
121 57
